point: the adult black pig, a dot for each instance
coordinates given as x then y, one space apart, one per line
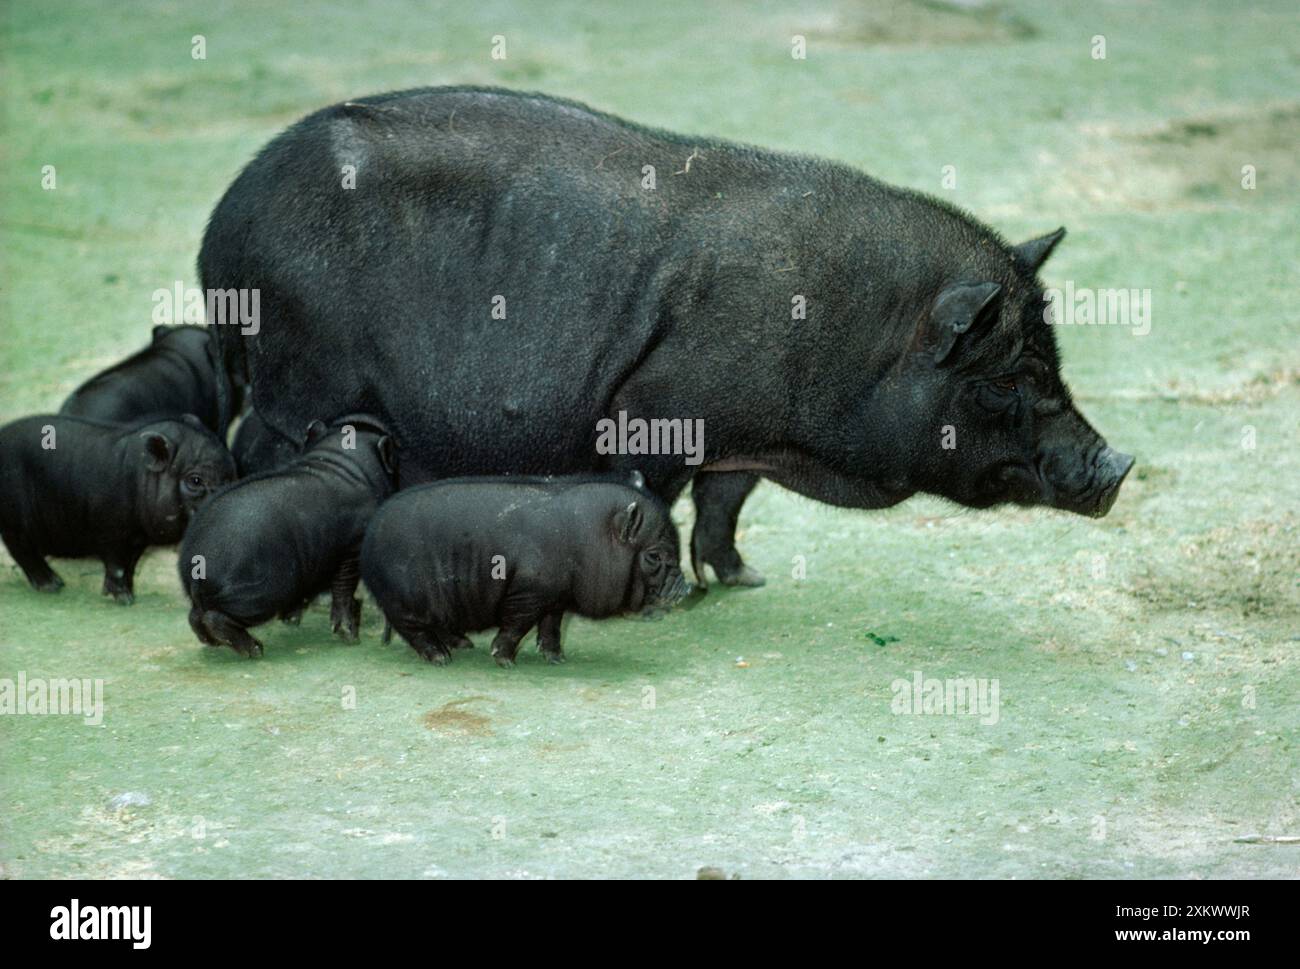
80 488
493 273
475 553
270 543
175 374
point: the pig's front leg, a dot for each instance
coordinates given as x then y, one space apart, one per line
119 574
519 613
345 607
548 636
718 497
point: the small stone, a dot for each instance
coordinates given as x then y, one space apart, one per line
129 800
1188 657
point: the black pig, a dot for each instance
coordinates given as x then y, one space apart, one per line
468 554
661 270
175 374
272 542
76 488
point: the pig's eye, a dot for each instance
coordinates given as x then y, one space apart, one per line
998 396
652 559
193 482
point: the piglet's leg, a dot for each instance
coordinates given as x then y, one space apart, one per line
518 615
119 575
38 572
345 607
548 636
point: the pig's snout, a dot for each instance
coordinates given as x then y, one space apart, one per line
1086 488
1112 468
672 592
677 590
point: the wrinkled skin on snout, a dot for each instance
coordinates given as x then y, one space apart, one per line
516 553
105 491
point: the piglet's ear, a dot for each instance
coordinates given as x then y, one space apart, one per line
627 523
638 480
387 449
157 451
315 431
960 309
160 331
193 421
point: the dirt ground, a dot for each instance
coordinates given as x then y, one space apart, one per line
1145 664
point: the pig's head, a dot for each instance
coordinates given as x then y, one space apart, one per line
357 443
181 464
644 530
976 411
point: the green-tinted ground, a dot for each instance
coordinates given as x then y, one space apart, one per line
1147 663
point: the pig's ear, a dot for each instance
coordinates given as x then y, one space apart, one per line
387 449
963 308
627 523
157 451
1034 253
160 331
638 480
193 421
315 431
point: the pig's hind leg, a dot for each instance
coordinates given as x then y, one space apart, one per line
217 629
345 607
433 641
38 572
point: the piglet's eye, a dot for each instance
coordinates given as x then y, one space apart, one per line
1007 385
194 481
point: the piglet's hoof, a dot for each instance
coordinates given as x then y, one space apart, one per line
346 620
292 618
122 596
553 658
503 661
51 585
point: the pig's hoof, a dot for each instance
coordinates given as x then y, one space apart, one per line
504 661
553 658
346 620
437 657
52 584
292 618
462 642
123 597
744 576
